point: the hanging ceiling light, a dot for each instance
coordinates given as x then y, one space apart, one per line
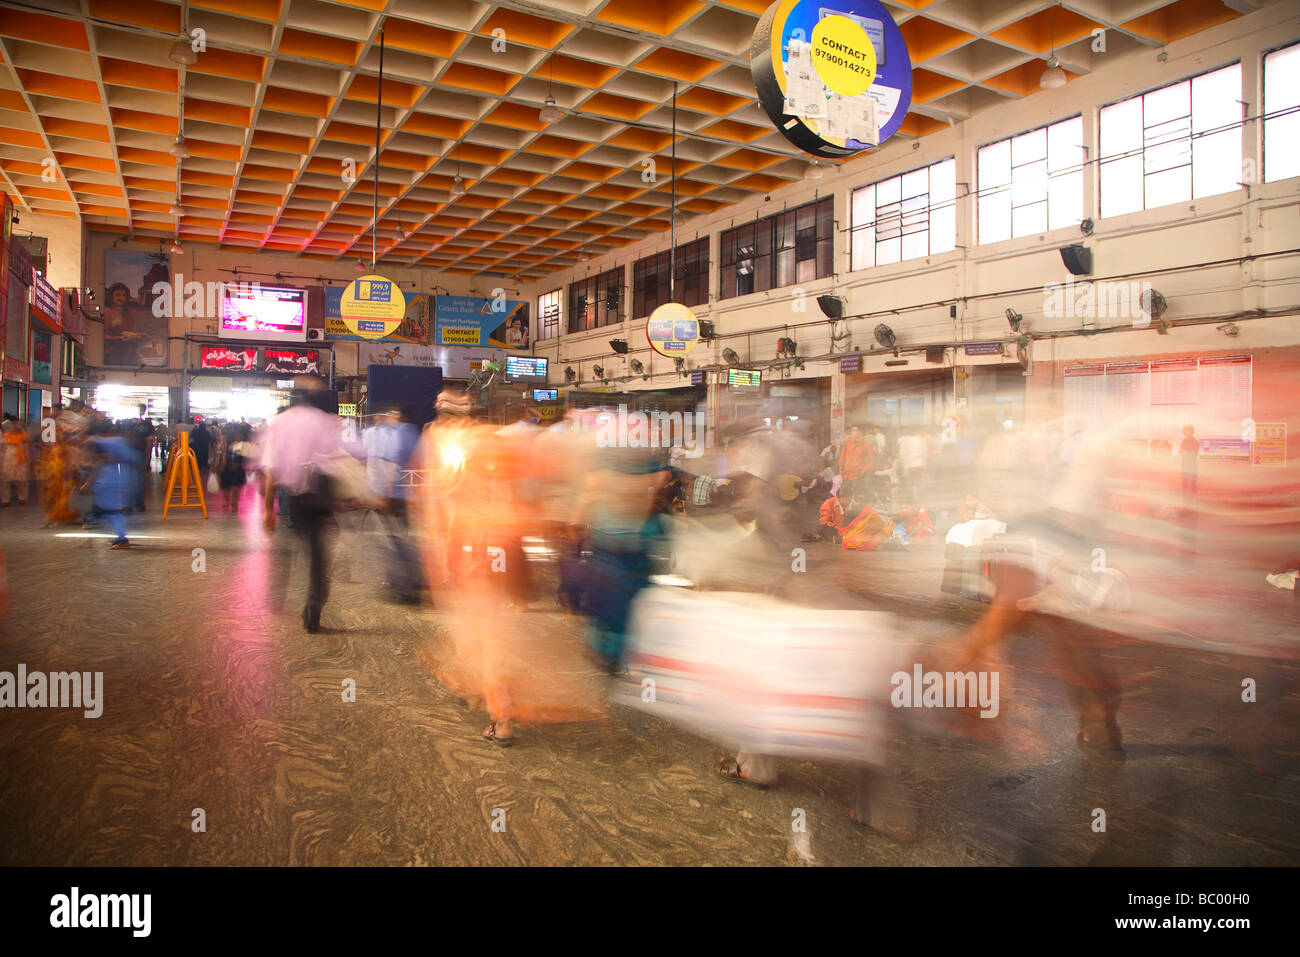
679 218
550 113
584 257
176 209
179 149
813 170
177 247
182 52
457 187
1053 77
361 265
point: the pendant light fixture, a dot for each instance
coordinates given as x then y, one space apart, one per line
1053 77
176 209
179 149
457 186
550 112
176 246
182 53
813 170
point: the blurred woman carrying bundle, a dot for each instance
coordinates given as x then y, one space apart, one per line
472 515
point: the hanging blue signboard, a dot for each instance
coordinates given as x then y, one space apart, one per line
834 76
474 321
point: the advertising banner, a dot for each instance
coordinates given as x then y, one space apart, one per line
413 328
134 335
291 362
454 363
834 76
42 358
473 321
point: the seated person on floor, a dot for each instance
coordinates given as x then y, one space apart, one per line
972 509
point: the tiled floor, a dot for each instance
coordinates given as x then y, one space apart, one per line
216 701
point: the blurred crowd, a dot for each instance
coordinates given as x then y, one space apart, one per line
568 573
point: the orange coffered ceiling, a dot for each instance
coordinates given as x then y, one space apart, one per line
278 114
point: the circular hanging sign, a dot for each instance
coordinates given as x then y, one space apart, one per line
834 80
372 306
673 330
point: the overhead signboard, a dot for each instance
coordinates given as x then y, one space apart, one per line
372 306
475 321
673 330
229 358
834 76
414 327
291 362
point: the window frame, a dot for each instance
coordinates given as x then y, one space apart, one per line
1266 118
929 209
597 287
774 249
543 324
1190 139
692 265
981 192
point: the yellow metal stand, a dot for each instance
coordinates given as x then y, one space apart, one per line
183 476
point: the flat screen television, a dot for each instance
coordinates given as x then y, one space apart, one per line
525 369
745 380
291 361
271 313
546 395
229 358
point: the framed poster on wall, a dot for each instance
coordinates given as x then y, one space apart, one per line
42 358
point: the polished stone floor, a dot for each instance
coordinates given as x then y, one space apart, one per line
216 701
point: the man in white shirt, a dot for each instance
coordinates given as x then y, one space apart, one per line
298 441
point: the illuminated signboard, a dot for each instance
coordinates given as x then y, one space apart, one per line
546 395
291 362
228 358
525 369
253 311
745 380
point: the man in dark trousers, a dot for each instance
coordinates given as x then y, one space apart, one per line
298 441
140 435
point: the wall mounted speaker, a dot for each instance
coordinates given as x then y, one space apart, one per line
934 354
1077 259
832 306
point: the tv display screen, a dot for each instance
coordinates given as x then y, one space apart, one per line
228 358
745 380
545 395
525 369
275 313
291 361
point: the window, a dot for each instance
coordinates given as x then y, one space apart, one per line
1282 128
596 301
904 217
1032 182
791 247
1171 145
548 315
650 286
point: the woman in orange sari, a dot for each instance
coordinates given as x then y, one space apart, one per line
472 514
15 467
57 472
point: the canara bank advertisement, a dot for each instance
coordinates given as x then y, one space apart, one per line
474 321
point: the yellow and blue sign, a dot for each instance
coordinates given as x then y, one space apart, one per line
372 306
834 76
475 321
673 330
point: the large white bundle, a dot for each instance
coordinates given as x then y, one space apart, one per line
764 675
